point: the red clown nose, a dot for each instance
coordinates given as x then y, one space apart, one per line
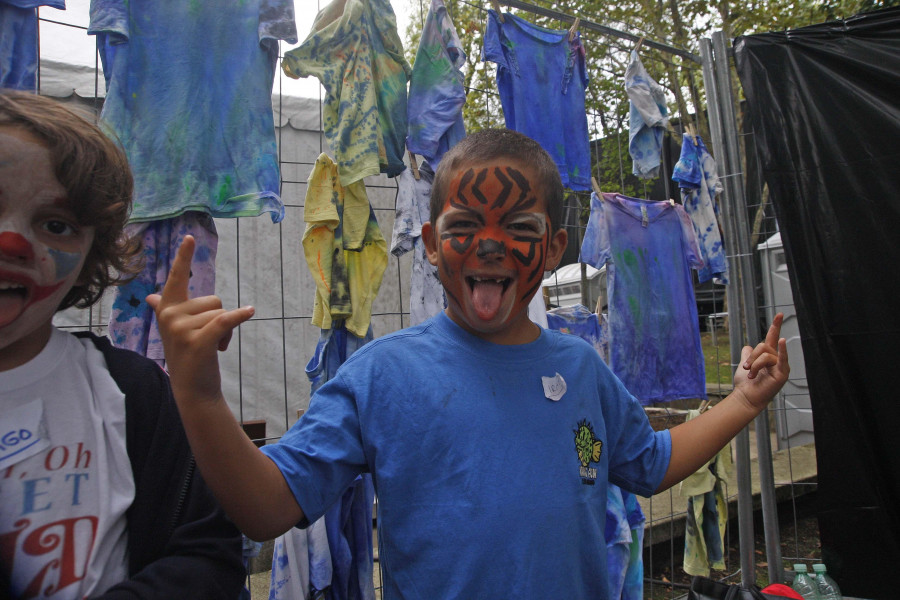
15 246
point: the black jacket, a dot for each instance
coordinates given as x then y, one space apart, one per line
180 543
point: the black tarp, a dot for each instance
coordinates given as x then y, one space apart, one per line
824 102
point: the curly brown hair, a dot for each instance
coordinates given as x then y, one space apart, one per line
96 175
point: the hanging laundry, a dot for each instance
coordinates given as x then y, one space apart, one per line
541 77
698 179
132 323
707 513
624 544
579 320
338 560
189 96
436 90
355 51
654 333
301 564
334 347
647 118
426 295
19 42
344 249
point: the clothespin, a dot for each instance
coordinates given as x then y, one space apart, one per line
496 5
596 186
414 165
704 406
638 45
671 202
574 29
690 132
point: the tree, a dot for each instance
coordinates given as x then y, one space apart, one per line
679 23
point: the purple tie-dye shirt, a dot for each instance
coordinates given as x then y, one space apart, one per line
649 249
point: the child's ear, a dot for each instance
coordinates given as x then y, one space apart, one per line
429 237
558 242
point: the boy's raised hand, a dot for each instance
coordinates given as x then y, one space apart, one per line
193 331
763 370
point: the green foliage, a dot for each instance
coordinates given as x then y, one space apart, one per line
678 23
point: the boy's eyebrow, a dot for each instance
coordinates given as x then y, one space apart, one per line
468 209
62 202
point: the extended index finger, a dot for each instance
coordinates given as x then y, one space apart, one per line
176 288
775 330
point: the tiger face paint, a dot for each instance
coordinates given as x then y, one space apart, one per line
491 243
42 245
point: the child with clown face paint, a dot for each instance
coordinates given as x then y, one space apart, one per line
98 496
490 440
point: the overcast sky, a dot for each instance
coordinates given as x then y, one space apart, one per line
73 45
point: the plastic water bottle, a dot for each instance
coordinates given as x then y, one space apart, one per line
804 584
825 585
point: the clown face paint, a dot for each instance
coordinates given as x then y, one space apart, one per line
42 246
491 244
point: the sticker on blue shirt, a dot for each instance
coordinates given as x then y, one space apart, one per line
23 433
588 448
554 387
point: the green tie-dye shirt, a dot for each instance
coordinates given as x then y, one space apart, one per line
355 51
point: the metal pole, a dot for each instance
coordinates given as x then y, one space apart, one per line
732 295
722 50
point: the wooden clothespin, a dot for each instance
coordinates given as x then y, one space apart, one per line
414 165
638 45
574 29
690 131
496 5
704 406
596 186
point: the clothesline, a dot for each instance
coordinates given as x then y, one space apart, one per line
587 24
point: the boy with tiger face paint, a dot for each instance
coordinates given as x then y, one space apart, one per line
496 233
476 425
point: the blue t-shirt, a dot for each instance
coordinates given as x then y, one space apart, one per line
436 90
698 179
541 77
190 99
474 466
647 118
19 42
654 334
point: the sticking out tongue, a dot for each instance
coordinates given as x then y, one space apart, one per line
11 306
486 296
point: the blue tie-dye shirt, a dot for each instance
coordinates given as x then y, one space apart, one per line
190 98
436 90
18 42
541 77
647 118
696 175
654 333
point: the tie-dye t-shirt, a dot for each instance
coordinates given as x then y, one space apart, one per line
18 42
344 249
654 334
355 51
426 294
190 98
698 179
647 118
541 77
436 89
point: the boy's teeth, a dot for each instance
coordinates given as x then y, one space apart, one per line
8 285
